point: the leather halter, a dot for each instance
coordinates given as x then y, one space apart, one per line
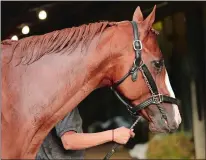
156 98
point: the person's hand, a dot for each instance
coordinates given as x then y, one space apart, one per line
121 135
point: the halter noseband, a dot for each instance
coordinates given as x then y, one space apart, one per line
138 64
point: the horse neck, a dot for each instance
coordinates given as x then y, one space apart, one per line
65 80
69 78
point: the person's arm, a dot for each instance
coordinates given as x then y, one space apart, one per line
76 141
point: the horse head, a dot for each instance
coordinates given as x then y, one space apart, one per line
140 79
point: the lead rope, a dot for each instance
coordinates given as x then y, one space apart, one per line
116 145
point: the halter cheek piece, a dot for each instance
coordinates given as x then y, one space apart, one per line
156 98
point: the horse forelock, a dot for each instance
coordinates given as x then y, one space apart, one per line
32 48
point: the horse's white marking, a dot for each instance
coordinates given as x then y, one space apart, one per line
175 108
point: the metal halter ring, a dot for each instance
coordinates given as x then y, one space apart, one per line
135 67
157 99
140 45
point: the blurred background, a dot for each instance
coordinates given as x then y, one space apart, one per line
182 39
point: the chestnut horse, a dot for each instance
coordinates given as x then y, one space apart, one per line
45 77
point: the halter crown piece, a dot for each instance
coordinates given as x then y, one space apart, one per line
155 99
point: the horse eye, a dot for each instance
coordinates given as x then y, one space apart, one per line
158 65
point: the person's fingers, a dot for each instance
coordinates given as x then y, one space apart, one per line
132 134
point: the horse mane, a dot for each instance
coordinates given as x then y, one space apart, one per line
32 48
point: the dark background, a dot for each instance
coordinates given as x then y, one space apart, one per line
67 14
186 61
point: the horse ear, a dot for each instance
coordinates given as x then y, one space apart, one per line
138 17
150 19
